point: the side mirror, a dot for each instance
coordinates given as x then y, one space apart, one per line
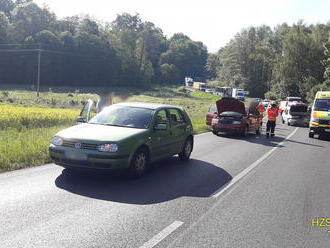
160 127
80 119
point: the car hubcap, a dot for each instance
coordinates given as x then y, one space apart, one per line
188 148
140 162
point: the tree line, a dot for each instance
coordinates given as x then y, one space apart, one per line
275 63
81 51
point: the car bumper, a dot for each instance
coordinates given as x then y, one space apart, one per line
94 159
320 130
298 122
227 128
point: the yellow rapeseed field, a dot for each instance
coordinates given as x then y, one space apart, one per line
20 118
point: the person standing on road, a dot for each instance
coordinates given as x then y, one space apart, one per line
272 113
261 110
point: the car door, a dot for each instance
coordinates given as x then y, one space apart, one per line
87 112
177 129
160 139
212 113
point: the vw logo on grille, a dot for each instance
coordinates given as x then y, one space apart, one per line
77 145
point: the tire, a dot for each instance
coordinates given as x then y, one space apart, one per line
311 135
283 121
245 131
139 163
214 132
186 150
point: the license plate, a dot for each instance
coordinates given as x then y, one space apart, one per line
75 156
327 130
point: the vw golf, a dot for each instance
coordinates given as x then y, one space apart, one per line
125 136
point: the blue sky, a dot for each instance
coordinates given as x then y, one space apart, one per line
214 22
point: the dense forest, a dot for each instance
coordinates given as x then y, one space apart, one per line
80 51
287 60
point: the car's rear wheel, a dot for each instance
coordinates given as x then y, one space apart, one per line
186 150
139 163
311 135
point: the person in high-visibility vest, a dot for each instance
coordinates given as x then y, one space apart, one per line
261 109
272 113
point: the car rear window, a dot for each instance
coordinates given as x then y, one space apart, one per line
299 108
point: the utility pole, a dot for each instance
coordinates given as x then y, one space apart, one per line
38 82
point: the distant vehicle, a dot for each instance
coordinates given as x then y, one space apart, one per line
189 82
223 91
238 94
320 114
296 114
234 117
125 136
199 86
210 91
265 103
211 113
281 107
292 100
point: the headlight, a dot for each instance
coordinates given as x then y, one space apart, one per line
236 122
108 148
57 141
315 120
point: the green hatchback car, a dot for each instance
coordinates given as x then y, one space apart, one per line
125 136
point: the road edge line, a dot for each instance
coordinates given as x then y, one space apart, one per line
162 234
246 171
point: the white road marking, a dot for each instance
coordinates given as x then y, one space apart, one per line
162 235
242 174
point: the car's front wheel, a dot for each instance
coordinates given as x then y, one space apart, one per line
187 149
139 163
245 131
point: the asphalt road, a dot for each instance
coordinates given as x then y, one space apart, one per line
234 192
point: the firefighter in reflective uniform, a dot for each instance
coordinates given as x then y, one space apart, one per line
261 110
272 113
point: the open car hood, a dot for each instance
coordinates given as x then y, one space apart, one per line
228 104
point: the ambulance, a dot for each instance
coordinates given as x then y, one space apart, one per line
320 115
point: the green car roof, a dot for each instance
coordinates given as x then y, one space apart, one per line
148 105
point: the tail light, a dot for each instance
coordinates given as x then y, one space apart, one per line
215 121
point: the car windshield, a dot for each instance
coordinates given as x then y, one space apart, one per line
322 105
123 116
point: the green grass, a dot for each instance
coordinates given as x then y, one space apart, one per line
27 147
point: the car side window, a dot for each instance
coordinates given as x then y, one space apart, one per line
176 117
161 117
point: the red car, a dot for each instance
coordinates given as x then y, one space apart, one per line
234 117
211 113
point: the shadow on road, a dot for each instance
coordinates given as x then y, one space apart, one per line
170 179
